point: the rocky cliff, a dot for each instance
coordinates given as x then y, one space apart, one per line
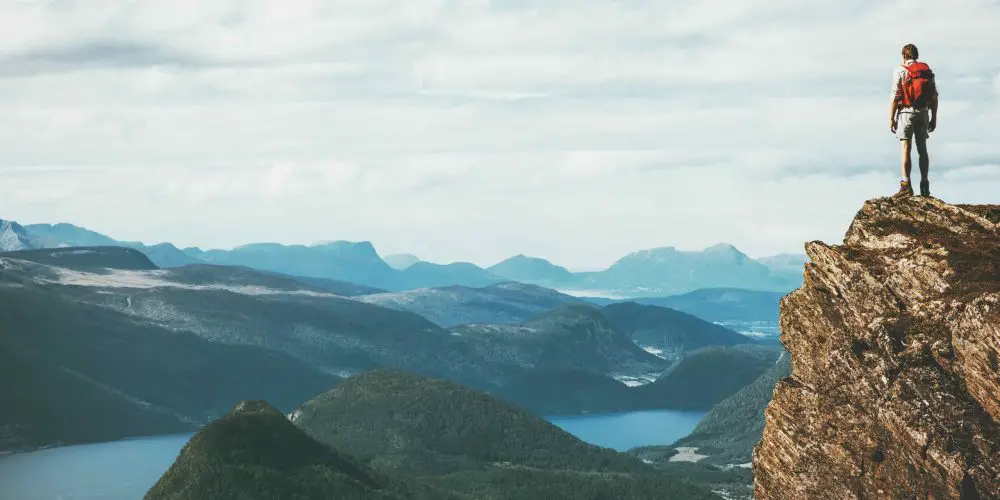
895 346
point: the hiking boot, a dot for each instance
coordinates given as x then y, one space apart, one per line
925 188
905 189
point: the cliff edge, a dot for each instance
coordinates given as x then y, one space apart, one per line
895 345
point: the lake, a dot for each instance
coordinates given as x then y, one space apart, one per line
623 431
125 470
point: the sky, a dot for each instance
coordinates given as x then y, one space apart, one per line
476 130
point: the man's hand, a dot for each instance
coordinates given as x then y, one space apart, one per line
892 125
932 125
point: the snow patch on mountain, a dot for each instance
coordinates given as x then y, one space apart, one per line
636 381
117 278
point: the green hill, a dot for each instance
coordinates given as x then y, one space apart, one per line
468 442
670 331
419 425
709 375
255 453
570 337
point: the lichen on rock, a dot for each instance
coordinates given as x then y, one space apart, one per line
895 345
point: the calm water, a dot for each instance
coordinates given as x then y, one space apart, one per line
623 431
122 470
125 470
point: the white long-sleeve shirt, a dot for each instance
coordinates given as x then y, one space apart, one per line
897 83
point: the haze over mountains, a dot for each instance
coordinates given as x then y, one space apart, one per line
647 273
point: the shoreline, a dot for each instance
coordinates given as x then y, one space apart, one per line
6 453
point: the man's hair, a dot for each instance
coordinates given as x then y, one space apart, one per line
910 51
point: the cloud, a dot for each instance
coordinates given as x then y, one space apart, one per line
472 129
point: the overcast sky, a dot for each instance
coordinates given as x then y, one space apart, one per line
476 130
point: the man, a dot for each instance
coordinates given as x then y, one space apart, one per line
913 115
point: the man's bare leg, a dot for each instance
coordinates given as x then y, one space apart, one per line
907 163
905 188
925 162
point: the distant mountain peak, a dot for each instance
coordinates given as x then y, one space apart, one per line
64 234
14 237
61 225
401 261
524 259
344 244
534 270
727 250
652 252
355 249
722 247
164 244
341 247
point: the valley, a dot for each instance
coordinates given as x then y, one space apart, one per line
126 339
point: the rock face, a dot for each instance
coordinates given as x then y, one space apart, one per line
895 347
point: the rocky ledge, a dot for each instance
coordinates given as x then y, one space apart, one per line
895 346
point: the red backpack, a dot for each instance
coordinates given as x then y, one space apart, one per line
918 85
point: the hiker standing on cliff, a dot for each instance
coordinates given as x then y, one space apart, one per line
913 115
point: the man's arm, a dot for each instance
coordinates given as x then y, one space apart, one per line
893 106
934 110
894 100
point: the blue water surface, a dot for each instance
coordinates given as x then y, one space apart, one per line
121 470
623 431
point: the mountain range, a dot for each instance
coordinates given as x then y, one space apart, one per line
133 343
655 272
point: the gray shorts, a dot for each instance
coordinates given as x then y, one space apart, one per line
910 122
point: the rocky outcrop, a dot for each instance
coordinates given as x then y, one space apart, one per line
895 346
